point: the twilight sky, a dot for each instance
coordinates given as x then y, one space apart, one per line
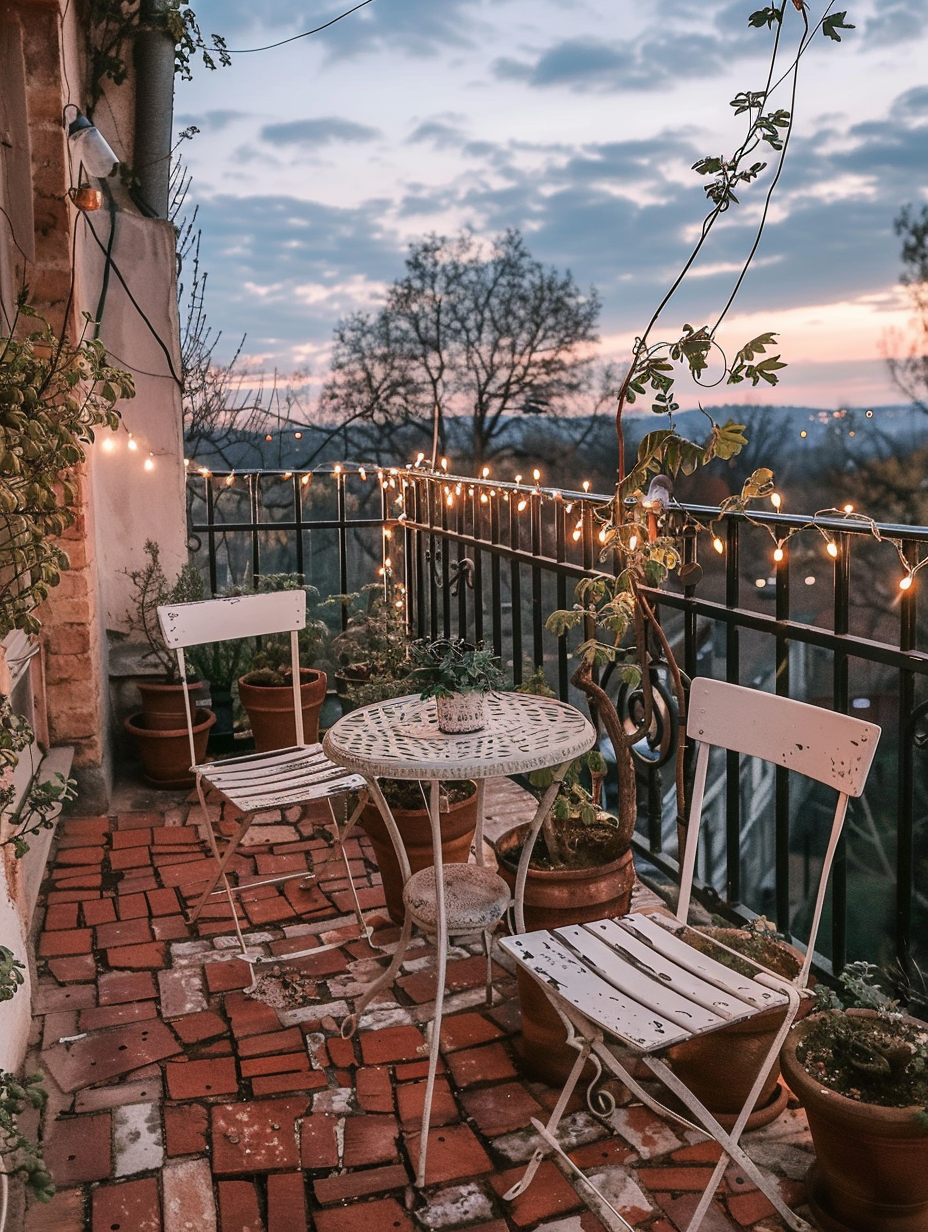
577 122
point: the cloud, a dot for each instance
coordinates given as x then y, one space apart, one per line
418 27
895 21
443 132
313 133
214 121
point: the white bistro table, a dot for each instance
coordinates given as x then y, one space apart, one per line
400 739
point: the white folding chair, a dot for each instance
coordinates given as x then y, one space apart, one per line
259 781
627 989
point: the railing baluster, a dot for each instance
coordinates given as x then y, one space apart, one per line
781 774
841 700
732 675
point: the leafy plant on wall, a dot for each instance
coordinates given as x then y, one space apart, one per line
54 395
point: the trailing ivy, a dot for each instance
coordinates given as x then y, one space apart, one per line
113 25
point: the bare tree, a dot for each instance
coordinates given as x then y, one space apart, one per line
910 372
485 336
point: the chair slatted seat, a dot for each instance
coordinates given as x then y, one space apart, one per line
632 987
258 782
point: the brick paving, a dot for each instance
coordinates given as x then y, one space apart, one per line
180 1101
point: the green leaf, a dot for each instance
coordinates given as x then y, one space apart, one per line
835 22
765 17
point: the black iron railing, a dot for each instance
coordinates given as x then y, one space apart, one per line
825 624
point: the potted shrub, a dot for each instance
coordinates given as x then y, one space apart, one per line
162 696
860 1070
266 690
219 665
159 730
374 647
458 675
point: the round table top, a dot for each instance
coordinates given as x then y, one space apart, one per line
400 739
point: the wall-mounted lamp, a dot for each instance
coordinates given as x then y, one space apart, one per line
91 148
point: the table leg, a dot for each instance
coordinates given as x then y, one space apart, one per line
481 818
540 814
350 1024
442 944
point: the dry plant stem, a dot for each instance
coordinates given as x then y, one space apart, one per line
550 836
625 769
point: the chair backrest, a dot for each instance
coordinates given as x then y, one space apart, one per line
834 749
220 620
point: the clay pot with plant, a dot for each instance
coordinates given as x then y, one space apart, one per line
720 1067
458 808
162 695
159 729
266 689
859 1067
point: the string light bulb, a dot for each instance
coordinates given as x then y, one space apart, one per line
831 548
776 500
149 463
230 479
521 505
536 474
633 543
419 458
337 469
298 436
518 480
109 445
132 443
444 464
718 545
849 508
905 582
485 472
778 554
305 480
586 485
363 473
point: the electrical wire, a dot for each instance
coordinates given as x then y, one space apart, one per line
247 51
135 304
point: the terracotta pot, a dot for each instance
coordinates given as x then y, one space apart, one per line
166 754
163 704
458 826
270 710
720 1068
871 1168
554 898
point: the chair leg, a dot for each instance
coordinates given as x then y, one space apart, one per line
222 861
340 834
553 1120
350 1024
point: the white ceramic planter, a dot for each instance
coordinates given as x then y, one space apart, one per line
462 712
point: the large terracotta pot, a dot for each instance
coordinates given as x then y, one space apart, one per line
166 754
458 826
554 898
720 1068
270 710
163 704
871 1168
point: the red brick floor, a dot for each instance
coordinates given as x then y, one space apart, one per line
180 1102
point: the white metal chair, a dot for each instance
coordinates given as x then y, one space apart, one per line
629 988
259 781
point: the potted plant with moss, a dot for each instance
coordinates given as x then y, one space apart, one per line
859 1068
459 676
266 689
159 729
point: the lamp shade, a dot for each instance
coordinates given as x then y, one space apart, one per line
91 147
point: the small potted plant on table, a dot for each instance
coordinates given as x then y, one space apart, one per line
459 676
860 1070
